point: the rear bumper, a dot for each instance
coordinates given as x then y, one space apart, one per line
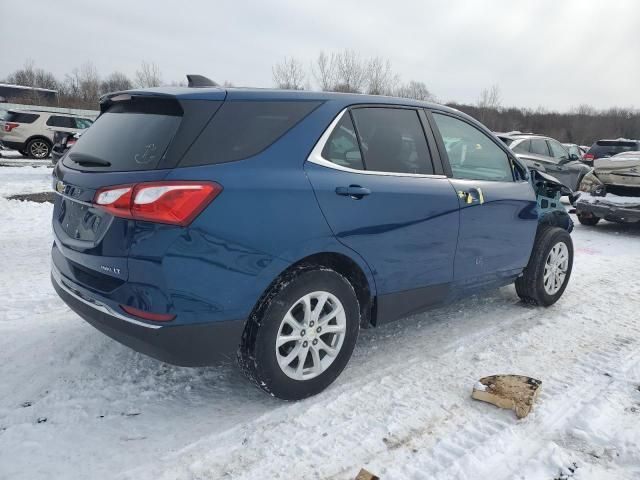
612 213
184 345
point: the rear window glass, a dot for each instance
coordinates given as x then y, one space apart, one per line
131 135
609 148
241 129
21 117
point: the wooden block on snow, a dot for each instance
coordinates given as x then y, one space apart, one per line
514 392
364 475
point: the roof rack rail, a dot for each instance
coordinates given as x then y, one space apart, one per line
198 81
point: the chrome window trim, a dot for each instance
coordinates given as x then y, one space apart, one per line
95 304
316 155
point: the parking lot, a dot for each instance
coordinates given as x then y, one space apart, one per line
75 404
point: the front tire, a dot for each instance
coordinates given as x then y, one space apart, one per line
547 274
589 220
302 333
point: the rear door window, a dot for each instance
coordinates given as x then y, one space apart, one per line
392 140
61 122
523 147
242 129
539 147
131 135
21 117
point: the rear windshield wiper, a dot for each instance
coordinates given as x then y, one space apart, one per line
88 160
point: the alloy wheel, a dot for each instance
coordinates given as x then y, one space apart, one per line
555 268
311 335
39 149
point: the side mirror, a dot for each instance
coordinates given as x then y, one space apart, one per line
574 156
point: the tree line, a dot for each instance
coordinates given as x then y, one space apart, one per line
344 71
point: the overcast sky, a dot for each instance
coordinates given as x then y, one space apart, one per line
551 53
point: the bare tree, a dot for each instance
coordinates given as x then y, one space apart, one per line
30 76
415 90
351 72
289 74
490 98
380 77
115 82
324 71
148 75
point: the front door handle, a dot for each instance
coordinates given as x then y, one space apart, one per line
471 195
353 191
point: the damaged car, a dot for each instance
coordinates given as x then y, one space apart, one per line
200 223
611 191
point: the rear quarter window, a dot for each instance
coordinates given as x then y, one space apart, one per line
21 117
242 129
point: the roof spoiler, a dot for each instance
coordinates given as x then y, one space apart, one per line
197 81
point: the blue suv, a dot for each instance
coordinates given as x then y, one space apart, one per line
194 224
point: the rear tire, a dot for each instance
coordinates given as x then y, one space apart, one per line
547 274
589 220
318 309
38 148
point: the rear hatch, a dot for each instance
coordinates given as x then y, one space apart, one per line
609 148
621 170
139 137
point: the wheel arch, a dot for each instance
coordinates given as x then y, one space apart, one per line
358 275
38 137
556 218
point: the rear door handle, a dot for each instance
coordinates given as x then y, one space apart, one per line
353 191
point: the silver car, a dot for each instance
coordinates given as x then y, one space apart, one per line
547 155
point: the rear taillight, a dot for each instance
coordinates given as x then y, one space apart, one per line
69 142
8 126
589 157
174 202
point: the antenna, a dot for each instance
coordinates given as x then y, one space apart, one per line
196 81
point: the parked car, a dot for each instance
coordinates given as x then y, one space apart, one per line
194 223
31 131
62 142
611 191
609 148
547 155
575 150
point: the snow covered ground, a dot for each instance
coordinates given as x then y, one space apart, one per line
75 404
